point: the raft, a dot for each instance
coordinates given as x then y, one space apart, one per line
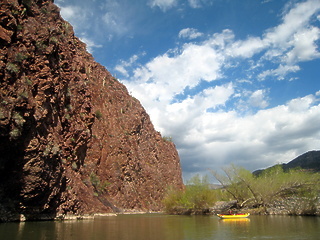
233 216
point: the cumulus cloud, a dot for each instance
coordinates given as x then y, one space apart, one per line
90 44
195 3
211 125
258 99
97 23
163 4
295 32
189 33
79 18
304 46
123 65
115 23
280 72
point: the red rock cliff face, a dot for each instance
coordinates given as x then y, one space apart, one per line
72 140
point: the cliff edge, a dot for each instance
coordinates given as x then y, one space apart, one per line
72 140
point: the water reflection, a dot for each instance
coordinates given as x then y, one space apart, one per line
164 227
236 221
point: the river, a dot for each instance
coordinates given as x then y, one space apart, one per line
166 227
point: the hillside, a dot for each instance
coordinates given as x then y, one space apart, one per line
72 140
309 161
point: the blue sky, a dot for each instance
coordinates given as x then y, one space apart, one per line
230 81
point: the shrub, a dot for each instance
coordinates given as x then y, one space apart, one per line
269 187
99 186
11 67
20 57
94 179
28 81
74 166
167 139
53 40
15 133
2 116
18 119
98 114
197 197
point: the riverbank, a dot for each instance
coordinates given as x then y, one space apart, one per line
291 206
68 217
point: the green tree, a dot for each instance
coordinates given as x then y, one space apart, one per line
264 189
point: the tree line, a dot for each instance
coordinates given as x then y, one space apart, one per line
297 190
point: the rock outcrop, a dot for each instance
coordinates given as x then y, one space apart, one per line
72 140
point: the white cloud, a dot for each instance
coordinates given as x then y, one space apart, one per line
189 33
69 12
172 74
195 3
79 19
301 104
167 4
258 99
275 135
294 21
115 23
90 44
98 22
163 4
213 124
304 46
126 64
246 48
279 73
75 15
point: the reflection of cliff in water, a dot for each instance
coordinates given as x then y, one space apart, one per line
165 227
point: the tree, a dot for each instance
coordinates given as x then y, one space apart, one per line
271 185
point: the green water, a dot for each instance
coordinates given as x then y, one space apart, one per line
164 227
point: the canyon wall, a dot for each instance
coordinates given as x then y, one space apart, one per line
72 139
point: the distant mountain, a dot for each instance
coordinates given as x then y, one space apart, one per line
308 161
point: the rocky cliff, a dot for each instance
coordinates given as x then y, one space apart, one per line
72 140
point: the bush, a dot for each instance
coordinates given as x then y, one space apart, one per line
98 114
196 197
20 57
11 67
167 139
99 186
15 133
270 186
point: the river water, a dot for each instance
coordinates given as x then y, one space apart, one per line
166 227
